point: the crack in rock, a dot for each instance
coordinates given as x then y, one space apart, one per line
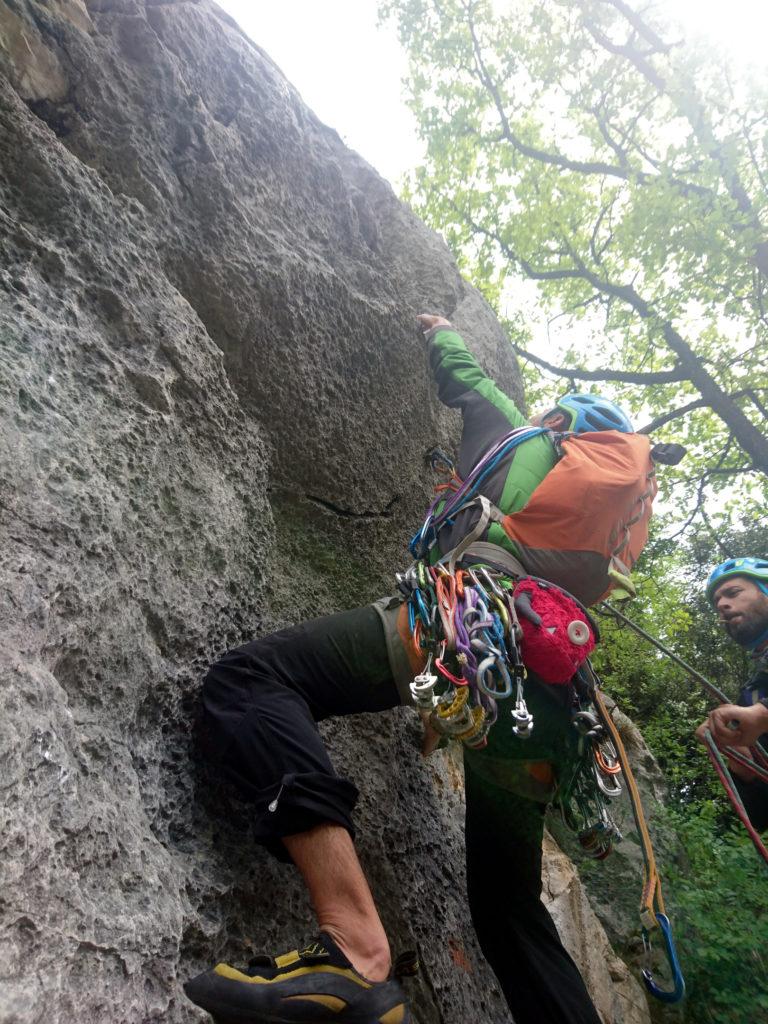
385 513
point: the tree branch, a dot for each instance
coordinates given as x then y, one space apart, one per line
690 107
716 470
641 27
622 376
673 414
749 437
554 159
628 51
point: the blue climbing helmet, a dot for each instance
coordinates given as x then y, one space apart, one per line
593 412
754 568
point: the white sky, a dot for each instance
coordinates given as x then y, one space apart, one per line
349 72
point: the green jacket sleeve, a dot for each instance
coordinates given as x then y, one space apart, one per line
462 384
488 415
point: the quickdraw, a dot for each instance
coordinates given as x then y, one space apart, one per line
580 797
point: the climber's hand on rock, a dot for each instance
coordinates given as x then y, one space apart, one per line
429 320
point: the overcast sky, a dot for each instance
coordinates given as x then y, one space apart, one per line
349 72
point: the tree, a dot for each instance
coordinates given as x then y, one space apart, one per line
580 145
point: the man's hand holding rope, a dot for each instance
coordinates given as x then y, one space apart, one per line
739 727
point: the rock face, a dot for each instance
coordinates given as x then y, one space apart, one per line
614 989
215 414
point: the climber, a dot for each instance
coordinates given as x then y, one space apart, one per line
738 591
261 702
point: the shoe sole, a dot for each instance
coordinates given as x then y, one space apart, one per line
387 1008
397 1015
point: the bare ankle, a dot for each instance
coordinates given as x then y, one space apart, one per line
369 954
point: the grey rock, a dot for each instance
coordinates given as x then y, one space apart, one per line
214 421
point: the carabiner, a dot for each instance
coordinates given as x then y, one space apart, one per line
486 666
678 980
491 582
608 784
503 614
481 591
421 607
422 578
587 724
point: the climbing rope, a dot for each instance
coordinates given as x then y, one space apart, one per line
720 766
457 494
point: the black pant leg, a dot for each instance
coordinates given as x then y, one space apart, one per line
518 937
260 705
754 796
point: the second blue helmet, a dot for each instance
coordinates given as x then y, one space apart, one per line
753 568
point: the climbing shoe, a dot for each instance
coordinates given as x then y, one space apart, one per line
309 986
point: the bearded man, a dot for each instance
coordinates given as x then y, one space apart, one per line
738 590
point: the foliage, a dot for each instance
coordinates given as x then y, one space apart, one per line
716 892
570 144
720 906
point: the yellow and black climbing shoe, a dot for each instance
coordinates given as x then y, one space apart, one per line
308 986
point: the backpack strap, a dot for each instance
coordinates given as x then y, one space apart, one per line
488 513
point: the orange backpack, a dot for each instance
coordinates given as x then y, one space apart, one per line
587 522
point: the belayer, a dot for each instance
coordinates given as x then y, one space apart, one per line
738 591
471 626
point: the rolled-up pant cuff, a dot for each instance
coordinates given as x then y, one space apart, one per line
300 803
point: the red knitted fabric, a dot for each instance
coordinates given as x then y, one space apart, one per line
548 652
